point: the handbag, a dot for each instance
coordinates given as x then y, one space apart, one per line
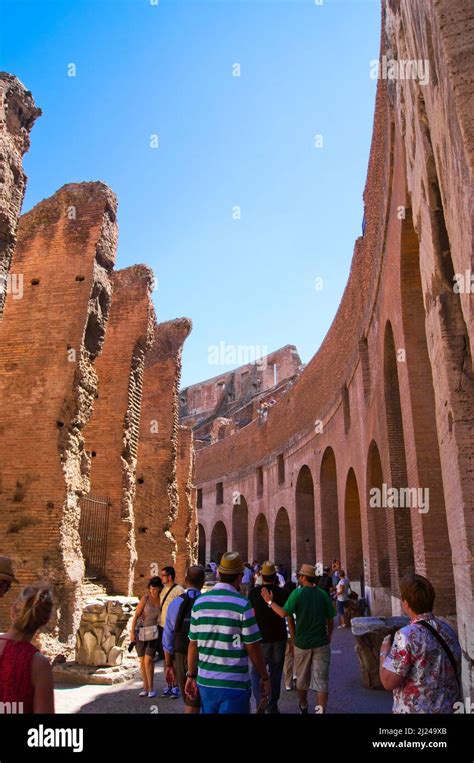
148 633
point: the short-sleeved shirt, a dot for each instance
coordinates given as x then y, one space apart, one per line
174 591
223 622
271 626
312 607
429 682
344 582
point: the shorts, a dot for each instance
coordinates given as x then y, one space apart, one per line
148 648
312 668
181 666
342 606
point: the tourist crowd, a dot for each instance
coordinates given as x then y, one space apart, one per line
242 630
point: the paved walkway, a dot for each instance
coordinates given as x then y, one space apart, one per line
346 694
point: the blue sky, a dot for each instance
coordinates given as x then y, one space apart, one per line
223 141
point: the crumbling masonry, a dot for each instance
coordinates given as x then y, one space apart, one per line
75 346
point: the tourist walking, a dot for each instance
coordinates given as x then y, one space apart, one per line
342 596
223 636
314 614
171 590
6 575
176 635
422 667
274 637
26 676
325 581
145 635
246 579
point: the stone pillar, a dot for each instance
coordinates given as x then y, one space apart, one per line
17 116
157 499
49 341
184 528
369 633
113 432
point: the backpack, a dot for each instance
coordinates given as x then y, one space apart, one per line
183 622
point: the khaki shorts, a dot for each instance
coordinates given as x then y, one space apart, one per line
312 668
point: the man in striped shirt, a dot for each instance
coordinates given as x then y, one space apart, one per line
222 636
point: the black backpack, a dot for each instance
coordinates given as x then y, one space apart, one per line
183 622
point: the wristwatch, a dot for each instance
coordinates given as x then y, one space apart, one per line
269 603
191 675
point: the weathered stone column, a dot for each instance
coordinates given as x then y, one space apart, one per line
184 528
369 633
49 341
17 116
157 498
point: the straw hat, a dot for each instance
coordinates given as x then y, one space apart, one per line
231 563
6 570
309 570
268 569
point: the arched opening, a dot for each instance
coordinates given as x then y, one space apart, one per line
261 539
399 519
330 545
432 549
305 532
218 541
283 541
353 530
240 528
201 545
377 518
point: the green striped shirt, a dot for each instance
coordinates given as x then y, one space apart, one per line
222 622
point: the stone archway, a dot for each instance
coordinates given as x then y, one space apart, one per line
201 545
354 555
218 541
282 536
240 528
329 548
261 543
305 529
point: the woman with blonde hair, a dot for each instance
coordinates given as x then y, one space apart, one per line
26 676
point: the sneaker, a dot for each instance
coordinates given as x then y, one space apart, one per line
152 693
303 710
166 692
143 694
175 693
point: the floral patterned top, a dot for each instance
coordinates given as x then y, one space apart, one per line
430 685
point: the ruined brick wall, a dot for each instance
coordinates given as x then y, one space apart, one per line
387 401
184 528
157 499
113 432
17 116
213 397
49 342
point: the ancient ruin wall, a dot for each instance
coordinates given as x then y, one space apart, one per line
157 498
49 340
184 528
17 116
113 433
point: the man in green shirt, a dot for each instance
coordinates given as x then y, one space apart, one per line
314 614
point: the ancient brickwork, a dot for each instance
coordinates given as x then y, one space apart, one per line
184 528
17 116
113 433
49 341
386 404
157 498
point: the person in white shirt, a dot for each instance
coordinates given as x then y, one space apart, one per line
342 595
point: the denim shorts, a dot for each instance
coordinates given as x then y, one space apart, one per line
222 701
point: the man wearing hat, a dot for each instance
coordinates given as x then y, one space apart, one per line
222 636
274 636
314 613
6 575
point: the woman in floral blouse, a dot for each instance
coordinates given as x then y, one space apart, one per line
418 668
